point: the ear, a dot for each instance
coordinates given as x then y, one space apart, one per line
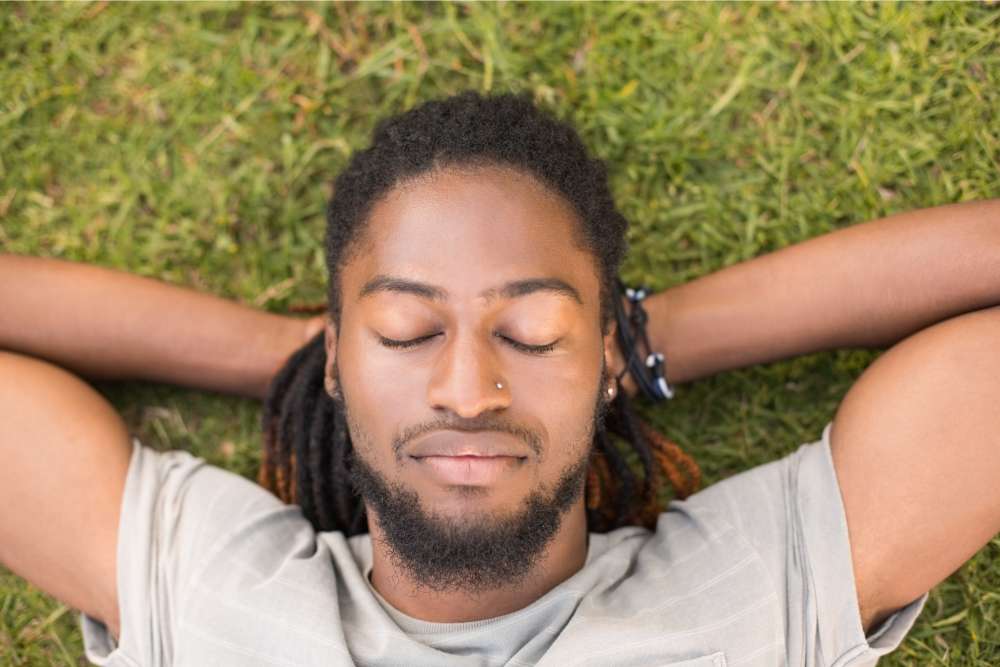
612 357
330 343
615 363
611 363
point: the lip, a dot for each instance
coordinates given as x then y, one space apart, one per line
469 458
470 470
482 444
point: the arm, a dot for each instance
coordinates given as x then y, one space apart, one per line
108 324
60 496
916 449
867 286
914 441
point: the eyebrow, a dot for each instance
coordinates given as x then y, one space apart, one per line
511 290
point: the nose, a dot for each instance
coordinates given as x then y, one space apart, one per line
465 378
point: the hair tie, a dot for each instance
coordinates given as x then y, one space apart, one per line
648 369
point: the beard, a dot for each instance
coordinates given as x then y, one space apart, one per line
478 554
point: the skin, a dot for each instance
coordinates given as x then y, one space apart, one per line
914 440
466 232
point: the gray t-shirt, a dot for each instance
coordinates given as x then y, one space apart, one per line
754 570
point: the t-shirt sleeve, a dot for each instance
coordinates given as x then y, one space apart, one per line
792 513
174 511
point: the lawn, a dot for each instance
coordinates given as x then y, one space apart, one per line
197 143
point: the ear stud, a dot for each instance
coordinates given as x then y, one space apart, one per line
330 386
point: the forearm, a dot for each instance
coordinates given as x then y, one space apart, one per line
106 324
866 286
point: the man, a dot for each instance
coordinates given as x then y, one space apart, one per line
463 385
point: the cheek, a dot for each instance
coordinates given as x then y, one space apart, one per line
563 380
564 397
368 389
570 421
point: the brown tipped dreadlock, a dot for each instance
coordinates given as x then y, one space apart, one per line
307 447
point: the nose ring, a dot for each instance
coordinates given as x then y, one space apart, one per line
499 385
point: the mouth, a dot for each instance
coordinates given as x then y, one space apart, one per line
468 458
470 470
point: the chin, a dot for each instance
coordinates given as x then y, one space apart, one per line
470 503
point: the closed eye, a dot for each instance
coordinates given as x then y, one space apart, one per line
404 344
530 349
517 345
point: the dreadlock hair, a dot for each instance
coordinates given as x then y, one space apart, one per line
307 447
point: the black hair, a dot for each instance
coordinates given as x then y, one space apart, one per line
307 447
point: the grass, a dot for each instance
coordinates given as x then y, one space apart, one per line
196 143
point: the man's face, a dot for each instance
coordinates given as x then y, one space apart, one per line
479 429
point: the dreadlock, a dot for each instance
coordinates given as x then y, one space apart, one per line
307 447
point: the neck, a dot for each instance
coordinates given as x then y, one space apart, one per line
564 556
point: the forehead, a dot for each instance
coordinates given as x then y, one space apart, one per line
469 229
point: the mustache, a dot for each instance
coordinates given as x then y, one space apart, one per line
471 425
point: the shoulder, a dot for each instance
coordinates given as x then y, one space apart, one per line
210 560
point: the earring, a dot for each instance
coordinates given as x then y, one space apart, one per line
611 391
